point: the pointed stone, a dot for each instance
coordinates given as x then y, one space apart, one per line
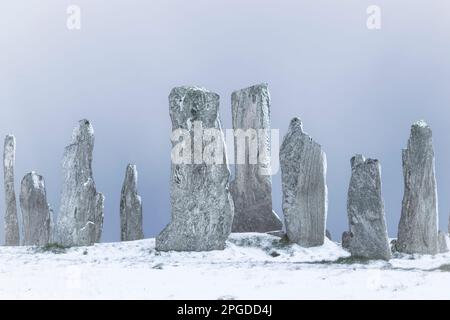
202 207
12 235
252 186
131 207
365 209
80 219
35 211
418 227
442 240
303 174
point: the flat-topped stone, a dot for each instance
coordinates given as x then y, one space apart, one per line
201 203
252 186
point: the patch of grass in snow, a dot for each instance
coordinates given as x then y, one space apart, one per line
269 246
53 248
282 243
349 260
444 268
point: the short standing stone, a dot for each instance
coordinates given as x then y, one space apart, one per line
80 219
365 208
418 227
303 174
131 207
12 236
328 234
252 186
202 207
35 211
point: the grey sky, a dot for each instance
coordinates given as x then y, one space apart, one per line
357 91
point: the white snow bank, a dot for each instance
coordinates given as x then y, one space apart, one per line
253 266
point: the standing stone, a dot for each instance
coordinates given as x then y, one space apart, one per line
131 207
365 208
12 236
418 227
328 234
252 186
80 218
202 207
35 211
442 242
303 174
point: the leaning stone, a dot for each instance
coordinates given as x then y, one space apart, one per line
35 211
12 235
202 207
418 227
303 174
365 210
442 239
252 186
131 207
80 219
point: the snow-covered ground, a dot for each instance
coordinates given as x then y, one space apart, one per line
253 266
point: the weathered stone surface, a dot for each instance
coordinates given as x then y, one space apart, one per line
35 211
12 235
303 174
202 207
131 207
346 239
252 186
365 208
417 230
80 219
442 241
328 234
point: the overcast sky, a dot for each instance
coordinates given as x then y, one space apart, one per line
356 90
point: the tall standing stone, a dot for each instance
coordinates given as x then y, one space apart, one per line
35 211
80 219
130 207
252 186
202 207
303 174
12 235
365 208
418 227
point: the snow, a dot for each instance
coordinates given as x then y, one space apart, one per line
253 266
421 123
